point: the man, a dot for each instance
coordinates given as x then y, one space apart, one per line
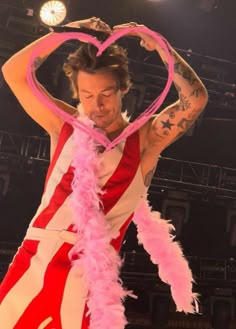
90 196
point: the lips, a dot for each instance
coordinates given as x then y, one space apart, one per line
99 115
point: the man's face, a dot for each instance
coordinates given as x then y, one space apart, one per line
101 99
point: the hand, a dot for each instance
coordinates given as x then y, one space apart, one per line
147 41
92 23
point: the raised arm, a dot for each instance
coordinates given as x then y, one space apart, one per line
15 70
176 119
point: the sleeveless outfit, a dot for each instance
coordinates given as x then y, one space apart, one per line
42 290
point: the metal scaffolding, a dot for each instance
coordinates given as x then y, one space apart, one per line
196 178
199 179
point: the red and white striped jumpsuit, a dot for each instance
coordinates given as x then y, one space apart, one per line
42 290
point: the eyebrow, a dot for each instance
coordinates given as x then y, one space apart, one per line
105 89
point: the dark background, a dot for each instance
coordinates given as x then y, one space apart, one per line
195 182
204 33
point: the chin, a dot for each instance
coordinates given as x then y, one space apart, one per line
102 124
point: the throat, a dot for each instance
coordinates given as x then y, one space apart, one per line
115 133
112 135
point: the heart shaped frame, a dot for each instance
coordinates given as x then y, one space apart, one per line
136 124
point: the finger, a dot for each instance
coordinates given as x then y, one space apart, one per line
106 27
98 25
147 45
142 43
121 26
125 25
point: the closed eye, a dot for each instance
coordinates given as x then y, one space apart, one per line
105 93
88 96
108 93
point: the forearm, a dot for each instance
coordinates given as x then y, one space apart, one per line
15 68
189 86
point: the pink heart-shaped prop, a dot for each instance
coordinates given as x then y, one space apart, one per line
140 121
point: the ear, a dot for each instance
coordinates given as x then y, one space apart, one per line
124 92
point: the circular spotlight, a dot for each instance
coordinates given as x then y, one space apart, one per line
52 13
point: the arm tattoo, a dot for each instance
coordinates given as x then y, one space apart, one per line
196 92
38 62
167 124
155 131
183 70
186 123
178 88
184 102
166 133
186 73
148 177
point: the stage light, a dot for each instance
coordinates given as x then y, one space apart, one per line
52 13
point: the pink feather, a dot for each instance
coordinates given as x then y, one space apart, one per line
154 234
100 262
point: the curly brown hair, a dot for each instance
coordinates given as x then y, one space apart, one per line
113 59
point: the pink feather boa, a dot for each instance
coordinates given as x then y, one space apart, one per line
154 234
100 262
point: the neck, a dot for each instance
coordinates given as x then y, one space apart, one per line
113 134
116 128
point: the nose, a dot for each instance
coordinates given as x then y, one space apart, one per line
98 102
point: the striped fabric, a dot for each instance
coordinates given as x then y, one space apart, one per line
42 290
